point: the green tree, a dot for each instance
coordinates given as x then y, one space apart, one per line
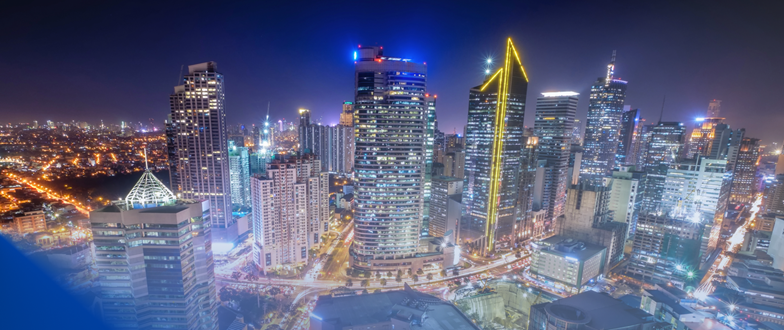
383 282
443 273
389 273
420 272
455 272
430 276
415 278
378 275
364 283
399 278
408 272
349 283
399 272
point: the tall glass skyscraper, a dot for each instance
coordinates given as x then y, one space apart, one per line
239 171
603 126
390 122
666 143
432 126
199 143
630 122
494 139
553 125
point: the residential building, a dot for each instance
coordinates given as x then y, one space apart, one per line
290 211
553 125
30 222
627 189
347 115
589 310
666 143
773 197
567 264
496 109
703 136
430 130
603 126
153 255
198 142
524 227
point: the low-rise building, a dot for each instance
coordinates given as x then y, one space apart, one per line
401 310
30 222
590 310
567 264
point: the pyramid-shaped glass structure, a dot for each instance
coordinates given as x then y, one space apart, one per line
149 192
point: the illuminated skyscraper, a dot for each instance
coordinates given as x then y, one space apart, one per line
305 138
430 130
347 115
390 123
702 137
603 126
239 171
553 125
154 258
665 146
198 141
630 122
744 171
494 139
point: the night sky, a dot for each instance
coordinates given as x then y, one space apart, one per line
112 61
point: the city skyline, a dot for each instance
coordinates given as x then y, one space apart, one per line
654 70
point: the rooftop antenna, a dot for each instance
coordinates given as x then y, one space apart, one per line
179 79
662 109
268 106
610 70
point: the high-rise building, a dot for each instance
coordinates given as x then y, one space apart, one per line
494 139
665 145
588 218
702 137
389 165
630 123
567 263
30 222
744 171
627 189
714 109
290 211
445 207
305 137
430 130
774 195
239 171
347 115
198 141
603 126
154 259
640 144
553 125
529 163
334 146
665 250
577 133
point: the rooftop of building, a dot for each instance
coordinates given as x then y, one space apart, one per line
407 305
664 298
599 311
748 284
568 247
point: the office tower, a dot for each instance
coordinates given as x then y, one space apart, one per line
665 250
430 129
493 143
589 310
702 137
529 163
445 204
153 254
553 125
697 190
399 309
455 142
263 154
199 142
714 109
575 159
603 126
725 142
456 163
305 137
630 123
577 133
347 115
389 162
640 144
588 218
665 145
567 263
290 211
30 222
627 189
744 174
239 172
343 153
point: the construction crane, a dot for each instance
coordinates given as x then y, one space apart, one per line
679 207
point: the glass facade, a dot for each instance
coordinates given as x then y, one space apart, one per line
389 123
553 125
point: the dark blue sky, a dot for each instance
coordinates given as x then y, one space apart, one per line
114 61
